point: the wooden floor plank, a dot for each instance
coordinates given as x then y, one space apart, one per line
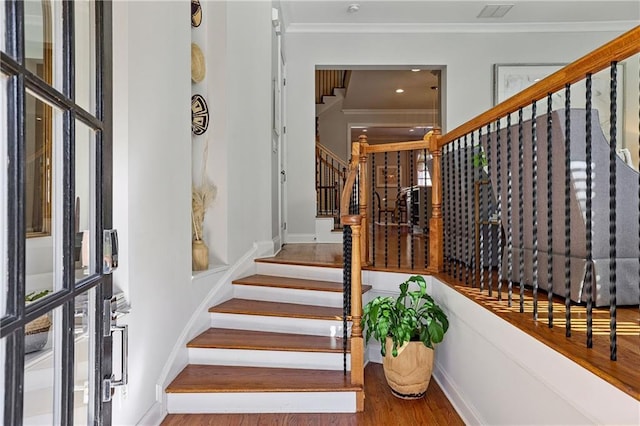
380 408
219 378
258 340
293 283
276 309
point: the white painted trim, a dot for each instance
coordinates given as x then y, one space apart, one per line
262 402
277 242
468 414
269 359
200 319
264 248
288 295
482 28
313 327
300 271
324 231
213 269
154 416
300 238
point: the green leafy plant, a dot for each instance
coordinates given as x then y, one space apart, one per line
35 295
413 316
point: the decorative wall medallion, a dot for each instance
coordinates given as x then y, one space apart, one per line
199 115
196 13
198 65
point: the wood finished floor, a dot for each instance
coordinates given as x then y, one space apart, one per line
623 373
380 408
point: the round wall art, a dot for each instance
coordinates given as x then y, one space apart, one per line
198 66
199 115
196 13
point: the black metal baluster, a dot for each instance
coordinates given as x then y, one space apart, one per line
509 217
549 211
521 209
446 214
499 211
465 235
471 207
589 266
534 206
386 216
346 290
459 223
333 185
613 155
373 216
487 199
454 210
410 206
398 206
482 195
478 255
567 210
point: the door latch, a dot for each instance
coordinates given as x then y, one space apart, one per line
109 251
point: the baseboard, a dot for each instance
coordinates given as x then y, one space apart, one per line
468 414
264 248
154 416
300 238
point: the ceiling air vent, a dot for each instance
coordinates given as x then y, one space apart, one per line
495 10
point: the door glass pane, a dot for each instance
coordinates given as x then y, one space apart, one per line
42 36
43 186
84 223
40 370
83 390
3 356
85 54
3 193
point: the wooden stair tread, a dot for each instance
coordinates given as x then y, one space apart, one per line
225 379
258 340
277 309
293 283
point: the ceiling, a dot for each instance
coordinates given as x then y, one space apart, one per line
375 89
333 16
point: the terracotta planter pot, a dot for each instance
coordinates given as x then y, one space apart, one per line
409 373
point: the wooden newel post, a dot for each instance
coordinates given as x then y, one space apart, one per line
357 341
436 248
364 199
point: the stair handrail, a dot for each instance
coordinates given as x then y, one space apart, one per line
323 149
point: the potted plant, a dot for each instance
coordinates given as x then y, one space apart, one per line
407 328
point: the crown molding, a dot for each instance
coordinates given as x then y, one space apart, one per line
524 27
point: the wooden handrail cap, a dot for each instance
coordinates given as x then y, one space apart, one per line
351 220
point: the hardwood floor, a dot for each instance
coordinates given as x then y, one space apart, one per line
623 373
381 408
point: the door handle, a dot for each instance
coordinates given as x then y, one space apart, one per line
109 251
124 355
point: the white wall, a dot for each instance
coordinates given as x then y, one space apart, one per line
467 90
248 76
153 150
152 203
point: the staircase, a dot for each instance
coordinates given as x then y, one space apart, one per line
272 348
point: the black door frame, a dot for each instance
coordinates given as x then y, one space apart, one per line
12 325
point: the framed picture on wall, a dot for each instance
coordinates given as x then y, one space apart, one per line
391 178
509 79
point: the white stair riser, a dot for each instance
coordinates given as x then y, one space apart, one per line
272 359
299 271
262 402
313 327
287 295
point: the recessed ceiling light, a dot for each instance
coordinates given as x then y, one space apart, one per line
365 130
495 10
411 130
399 90
415 69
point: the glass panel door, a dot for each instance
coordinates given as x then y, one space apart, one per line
55 204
